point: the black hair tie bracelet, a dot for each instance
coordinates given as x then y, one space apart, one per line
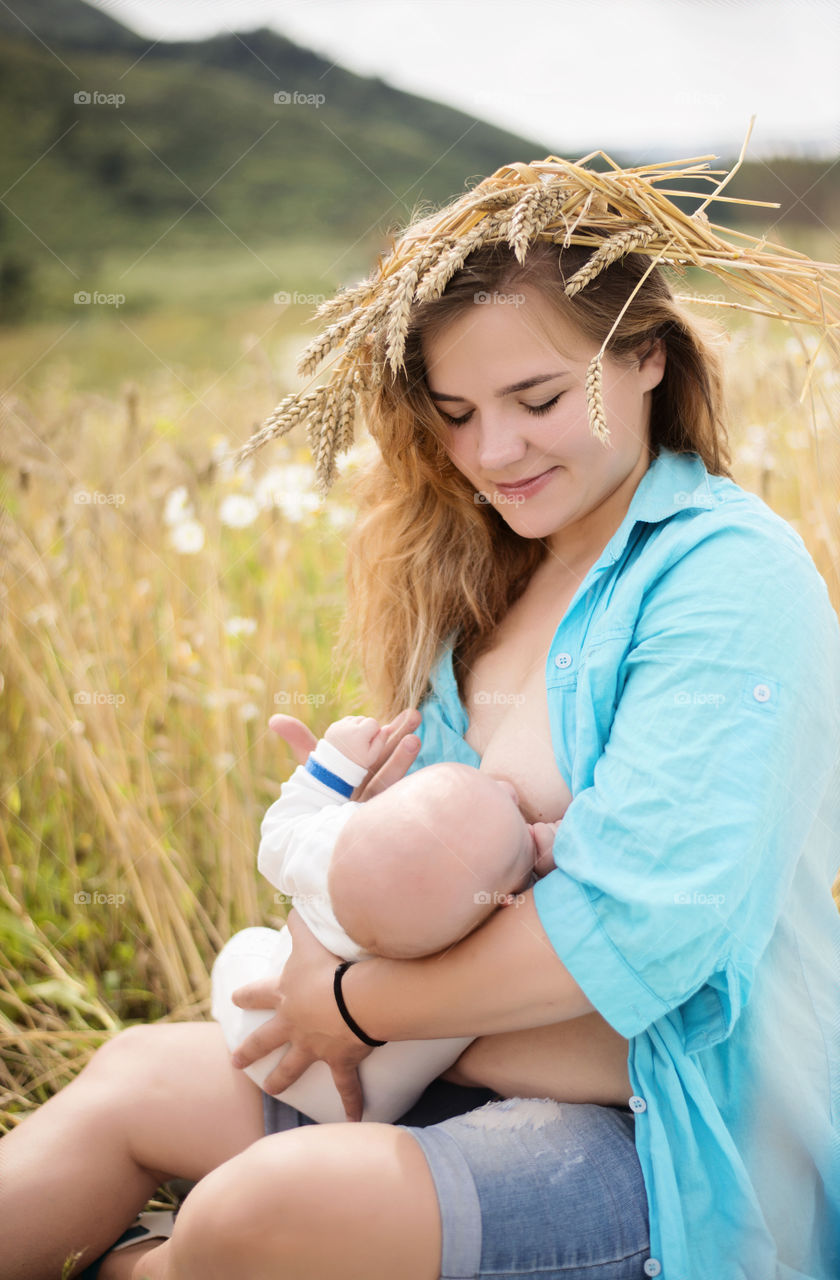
345 1012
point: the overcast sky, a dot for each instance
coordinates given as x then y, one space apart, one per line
670 77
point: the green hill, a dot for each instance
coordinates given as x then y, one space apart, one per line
120 160
188 150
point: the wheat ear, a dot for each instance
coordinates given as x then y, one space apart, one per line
609 252
595 400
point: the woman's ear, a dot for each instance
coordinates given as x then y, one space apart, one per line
651 364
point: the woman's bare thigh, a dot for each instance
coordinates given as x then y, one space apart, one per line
184 1109
332 1201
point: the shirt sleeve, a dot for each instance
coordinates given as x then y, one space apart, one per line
673 863
300 828
298 836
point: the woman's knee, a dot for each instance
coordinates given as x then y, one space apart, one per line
150 1054
349 1201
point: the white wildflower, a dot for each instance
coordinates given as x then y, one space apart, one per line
290 489
187 537
358 455
340 517
296 506
177 507
46 613
238 511
240 626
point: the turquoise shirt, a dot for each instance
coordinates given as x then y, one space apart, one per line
694 704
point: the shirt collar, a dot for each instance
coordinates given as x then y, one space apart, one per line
673 482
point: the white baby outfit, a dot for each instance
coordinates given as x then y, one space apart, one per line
298 835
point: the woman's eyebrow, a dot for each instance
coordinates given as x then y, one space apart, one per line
506 391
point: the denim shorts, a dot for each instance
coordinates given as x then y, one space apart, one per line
526 1186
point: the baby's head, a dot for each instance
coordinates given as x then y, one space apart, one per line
418 866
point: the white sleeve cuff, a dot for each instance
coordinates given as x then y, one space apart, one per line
337 762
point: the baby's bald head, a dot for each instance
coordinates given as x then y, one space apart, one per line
415 867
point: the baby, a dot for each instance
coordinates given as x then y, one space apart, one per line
402 875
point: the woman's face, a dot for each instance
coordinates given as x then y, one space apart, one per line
514 409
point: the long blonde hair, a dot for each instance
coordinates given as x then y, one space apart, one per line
426 561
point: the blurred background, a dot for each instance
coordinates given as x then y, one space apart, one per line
180 185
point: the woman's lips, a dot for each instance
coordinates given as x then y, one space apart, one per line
527 487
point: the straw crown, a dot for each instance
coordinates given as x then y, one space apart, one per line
617 211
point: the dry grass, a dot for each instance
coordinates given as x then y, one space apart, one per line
137 679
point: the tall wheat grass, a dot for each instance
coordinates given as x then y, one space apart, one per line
148 631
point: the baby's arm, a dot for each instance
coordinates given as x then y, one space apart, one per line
299 830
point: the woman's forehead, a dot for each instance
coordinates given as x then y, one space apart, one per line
504 335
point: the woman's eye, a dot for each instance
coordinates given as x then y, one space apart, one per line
535 409
538 409
455 422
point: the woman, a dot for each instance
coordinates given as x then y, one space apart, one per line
614 619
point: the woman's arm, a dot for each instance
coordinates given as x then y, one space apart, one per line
504 976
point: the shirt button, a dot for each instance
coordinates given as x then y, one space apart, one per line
562 660
761 693
652 1267
638 1104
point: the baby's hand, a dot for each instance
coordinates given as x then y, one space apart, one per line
544 833
360 738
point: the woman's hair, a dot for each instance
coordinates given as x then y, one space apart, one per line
428 561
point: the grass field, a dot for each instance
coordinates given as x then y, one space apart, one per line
157 609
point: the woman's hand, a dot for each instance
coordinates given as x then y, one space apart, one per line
399 750
306 1018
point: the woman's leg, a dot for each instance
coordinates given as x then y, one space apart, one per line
154 1103
332 1201
520 1187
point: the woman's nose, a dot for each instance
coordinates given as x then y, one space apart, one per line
499 446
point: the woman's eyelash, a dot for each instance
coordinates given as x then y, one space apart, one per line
543 408
536 409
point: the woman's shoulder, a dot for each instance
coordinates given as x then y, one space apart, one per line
725 525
